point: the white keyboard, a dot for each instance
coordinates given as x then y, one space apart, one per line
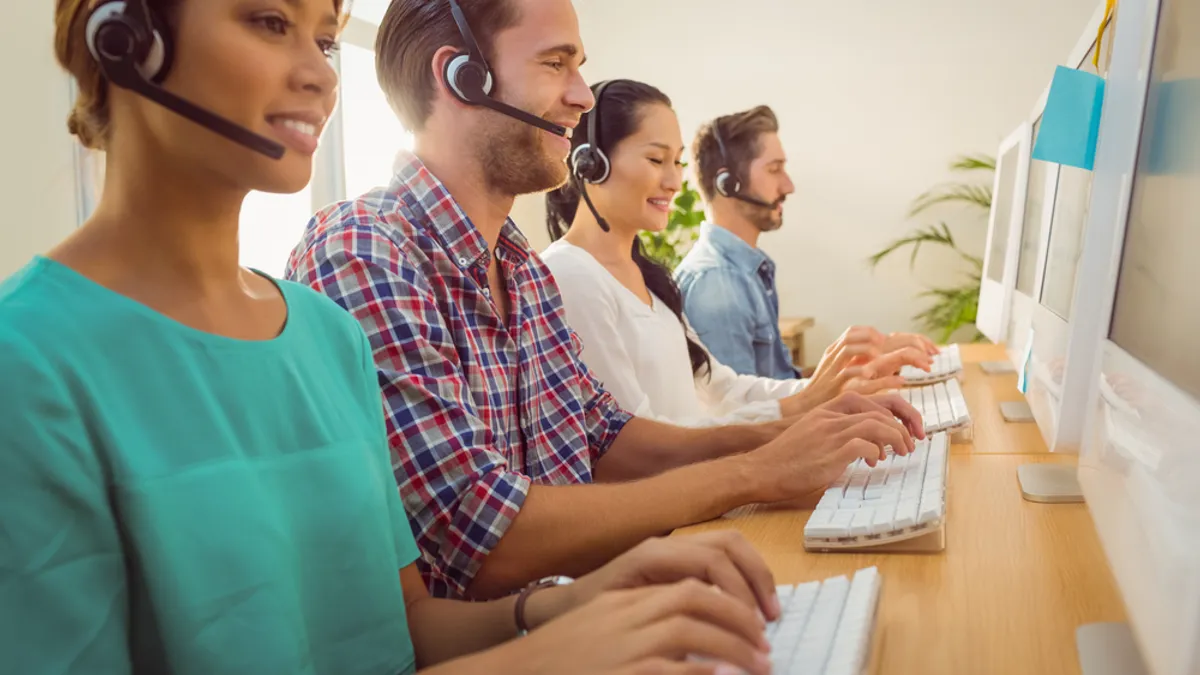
826 626
941 405
902 497
946 364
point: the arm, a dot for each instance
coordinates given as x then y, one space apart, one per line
62 570
720 308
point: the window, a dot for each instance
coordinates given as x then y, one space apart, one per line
371 134
271 226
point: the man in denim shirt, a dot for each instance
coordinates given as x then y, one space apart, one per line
728 283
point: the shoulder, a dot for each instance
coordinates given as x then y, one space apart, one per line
43 311
354 243
575 272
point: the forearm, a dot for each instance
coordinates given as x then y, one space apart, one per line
573 530
647 448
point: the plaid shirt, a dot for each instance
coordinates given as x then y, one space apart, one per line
476 410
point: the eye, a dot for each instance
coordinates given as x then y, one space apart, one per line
556 65
329 47
656 161
274 23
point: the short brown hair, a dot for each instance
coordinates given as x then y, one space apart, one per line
409 35
741 132
89 119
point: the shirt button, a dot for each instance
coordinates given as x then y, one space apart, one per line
487 292
499 254
462 261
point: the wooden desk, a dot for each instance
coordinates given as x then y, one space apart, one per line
1005 597
791 331
984 392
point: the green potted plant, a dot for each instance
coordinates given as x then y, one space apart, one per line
956 306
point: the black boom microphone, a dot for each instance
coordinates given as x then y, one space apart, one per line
134 54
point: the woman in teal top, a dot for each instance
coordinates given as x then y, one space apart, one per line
189 481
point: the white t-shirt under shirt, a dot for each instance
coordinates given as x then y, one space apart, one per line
639 352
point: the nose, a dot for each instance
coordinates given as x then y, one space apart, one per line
579 95
673 178
788 186
314 73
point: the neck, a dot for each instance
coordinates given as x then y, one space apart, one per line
727 214
611 247
166 219
453 163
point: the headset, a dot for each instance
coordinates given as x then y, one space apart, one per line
134 51
589 164
727 183
470 78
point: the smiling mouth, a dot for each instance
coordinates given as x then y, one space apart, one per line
663 205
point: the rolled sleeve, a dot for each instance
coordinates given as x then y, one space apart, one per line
458 489
720 308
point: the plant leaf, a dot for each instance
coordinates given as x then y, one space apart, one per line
979 162
964 193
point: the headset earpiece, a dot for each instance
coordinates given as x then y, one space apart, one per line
727 184
115 37
588 161
469 81
590 165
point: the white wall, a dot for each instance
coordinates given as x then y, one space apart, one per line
37 177
874 99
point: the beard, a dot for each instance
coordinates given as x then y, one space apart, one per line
515 159
761 217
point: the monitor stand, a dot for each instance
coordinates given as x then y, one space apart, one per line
998 367
1050 483
1016 411
1108 649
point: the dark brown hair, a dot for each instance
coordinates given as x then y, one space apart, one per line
741 132
89 120
621 112
409 35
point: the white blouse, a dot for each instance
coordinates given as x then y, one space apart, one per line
639 352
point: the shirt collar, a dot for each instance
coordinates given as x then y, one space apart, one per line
436 210
733 248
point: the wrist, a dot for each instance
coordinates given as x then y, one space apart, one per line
751 479
546 604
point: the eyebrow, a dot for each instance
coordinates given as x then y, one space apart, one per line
331 19
662 146
566 49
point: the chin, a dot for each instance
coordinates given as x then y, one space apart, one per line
285 176
656 223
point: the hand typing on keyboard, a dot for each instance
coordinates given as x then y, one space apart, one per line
642 631
852 367
816 450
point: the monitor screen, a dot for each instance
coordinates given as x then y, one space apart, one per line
1003 201
1031 233
1156 316
1071 201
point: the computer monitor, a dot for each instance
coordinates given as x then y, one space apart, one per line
1029 266
1004 233
1058 367
1139 465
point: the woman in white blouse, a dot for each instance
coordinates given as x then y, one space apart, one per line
627 309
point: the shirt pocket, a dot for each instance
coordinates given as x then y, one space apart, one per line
764 338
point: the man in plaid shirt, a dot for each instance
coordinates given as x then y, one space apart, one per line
512 461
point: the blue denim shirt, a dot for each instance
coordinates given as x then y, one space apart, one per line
730 299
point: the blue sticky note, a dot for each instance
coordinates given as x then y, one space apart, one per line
1071 121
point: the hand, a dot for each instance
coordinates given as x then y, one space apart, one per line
903 340
836 376
816 450
724 559
642 630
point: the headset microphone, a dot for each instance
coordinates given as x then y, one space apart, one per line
470 78
134 52
589 164
727 182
